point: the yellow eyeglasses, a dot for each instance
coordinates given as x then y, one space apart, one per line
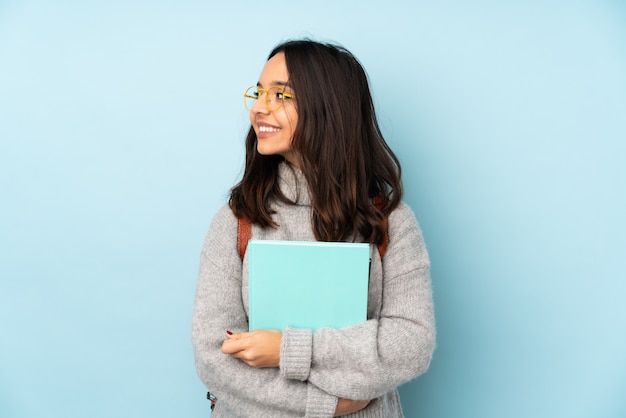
274 97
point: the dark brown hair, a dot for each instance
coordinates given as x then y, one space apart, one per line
343 154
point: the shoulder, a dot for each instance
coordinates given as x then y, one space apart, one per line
221 239
402 218
406 240
224 218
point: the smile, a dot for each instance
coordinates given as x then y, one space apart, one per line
268 129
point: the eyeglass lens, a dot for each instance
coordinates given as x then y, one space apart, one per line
274 98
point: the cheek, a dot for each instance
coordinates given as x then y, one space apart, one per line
292 118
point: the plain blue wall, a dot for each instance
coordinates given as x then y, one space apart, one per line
121 129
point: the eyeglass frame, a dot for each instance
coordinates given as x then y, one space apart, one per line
267 96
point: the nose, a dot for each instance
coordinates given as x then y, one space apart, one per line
260 106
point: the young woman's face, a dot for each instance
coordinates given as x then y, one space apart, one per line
274 130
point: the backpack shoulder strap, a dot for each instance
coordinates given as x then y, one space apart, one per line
244 233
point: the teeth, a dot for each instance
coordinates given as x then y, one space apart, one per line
268 129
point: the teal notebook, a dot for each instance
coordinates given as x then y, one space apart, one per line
307 284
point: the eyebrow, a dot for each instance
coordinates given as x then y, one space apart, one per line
275 83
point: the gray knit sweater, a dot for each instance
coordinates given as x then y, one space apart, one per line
365 361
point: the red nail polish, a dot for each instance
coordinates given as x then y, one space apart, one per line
228 332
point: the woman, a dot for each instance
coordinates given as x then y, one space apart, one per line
315 161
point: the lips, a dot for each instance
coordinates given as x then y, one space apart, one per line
265 129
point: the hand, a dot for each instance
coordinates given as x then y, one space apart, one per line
259 348
348 406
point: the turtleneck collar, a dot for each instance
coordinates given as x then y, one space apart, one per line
293 184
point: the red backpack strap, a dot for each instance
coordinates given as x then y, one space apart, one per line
382 248
244 233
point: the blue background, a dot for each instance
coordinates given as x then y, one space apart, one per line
121 131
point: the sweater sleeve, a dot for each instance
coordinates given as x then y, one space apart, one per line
367 360
241 390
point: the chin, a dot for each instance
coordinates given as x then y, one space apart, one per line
269 151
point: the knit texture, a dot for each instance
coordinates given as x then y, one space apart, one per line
364 361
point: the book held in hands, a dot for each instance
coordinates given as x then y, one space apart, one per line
307 284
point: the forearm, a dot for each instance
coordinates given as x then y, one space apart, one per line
364 369
353 363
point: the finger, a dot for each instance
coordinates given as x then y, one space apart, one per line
245 356
232 346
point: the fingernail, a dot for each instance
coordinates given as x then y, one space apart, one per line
228 332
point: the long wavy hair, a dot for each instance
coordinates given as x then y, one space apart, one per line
343 155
